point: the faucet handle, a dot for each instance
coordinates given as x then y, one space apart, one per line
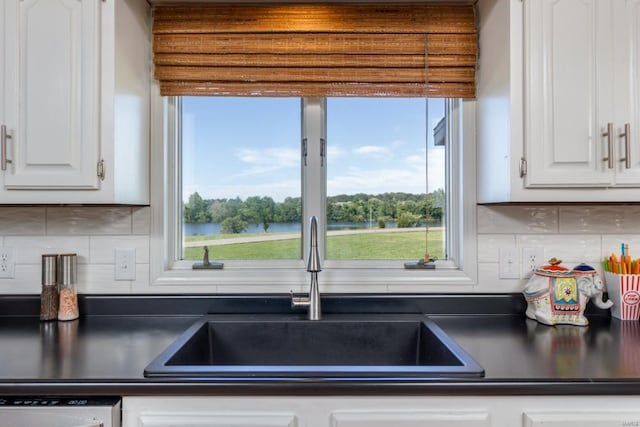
313 265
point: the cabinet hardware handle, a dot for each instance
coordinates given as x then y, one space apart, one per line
3 147
627 146
609 135
101 171
523 167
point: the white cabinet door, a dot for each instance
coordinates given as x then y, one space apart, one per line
453 418
568 92
74 93
50 93
627 92
550 79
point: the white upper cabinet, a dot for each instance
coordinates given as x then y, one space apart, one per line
51 97
74 101
557 90
627 91
568 92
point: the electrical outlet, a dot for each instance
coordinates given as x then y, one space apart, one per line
509 264
7 264
125 264
532 258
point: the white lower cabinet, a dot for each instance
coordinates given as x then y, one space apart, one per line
381 411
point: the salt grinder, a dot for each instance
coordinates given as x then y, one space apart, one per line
67 267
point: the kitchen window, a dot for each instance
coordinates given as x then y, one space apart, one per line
455 269
325 65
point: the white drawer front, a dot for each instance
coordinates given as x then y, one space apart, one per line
218 420
410 419
582 419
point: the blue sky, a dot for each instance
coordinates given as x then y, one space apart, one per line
251 146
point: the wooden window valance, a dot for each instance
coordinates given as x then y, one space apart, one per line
307 50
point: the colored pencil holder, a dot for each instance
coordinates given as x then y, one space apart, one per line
624 291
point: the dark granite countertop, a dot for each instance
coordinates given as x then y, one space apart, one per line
102 354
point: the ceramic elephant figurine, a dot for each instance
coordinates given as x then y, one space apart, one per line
557 295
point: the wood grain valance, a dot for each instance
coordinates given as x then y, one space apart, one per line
307 50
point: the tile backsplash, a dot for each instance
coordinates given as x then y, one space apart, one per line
94 233
573 233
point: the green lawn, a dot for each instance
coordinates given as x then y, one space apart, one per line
401 246
199 237
277 249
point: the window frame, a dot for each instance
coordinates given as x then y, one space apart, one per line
277 276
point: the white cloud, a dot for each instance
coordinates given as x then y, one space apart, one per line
415 160
278 190
282 156
397 143
437 169
262 161
335 151
372 150
247 155
409 176
410 180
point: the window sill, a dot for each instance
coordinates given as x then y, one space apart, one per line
269 277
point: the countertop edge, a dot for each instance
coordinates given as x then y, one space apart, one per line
196 304
370 388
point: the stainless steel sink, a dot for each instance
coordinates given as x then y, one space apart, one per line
339 346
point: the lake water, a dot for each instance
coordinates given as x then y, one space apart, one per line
192 229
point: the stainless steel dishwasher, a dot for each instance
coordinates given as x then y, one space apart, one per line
59 412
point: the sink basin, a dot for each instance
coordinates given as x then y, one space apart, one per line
396 346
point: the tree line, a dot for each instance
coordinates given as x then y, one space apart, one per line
234 215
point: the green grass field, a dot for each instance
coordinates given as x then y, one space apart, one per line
376 246
200 237
277 249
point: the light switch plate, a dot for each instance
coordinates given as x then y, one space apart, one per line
125 264
509 264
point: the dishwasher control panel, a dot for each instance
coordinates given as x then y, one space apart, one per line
27 411
53 401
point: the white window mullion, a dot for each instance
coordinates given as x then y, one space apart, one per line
176 171
314 170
